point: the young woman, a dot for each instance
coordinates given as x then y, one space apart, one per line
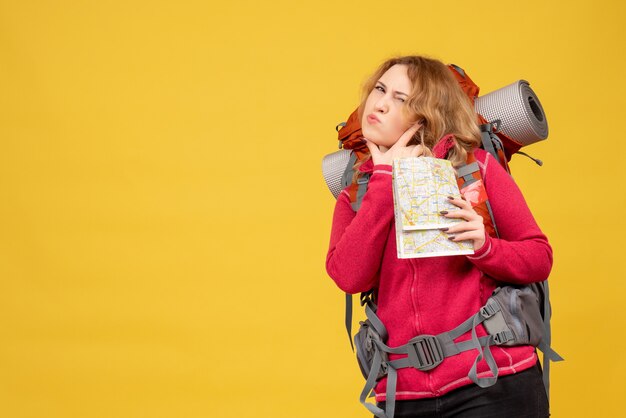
414 106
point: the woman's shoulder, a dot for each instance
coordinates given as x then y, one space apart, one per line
487 162
481 156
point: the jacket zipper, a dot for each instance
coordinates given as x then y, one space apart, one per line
416 319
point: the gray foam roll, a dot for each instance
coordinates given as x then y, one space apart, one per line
519 109
333 166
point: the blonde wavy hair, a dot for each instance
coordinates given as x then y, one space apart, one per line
436 100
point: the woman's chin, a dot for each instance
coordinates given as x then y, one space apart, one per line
378 141
371 136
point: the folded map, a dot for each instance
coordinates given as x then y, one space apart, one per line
421 186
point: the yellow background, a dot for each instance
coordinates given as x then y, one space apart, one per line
164 222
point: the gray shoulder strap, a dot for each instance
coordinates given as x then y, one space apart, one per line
338 171
360 193
465 171
348 319
369 387
346 177
545 345
487 138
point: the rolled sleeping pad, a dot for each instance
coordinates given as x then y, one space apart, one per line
333 166
519 110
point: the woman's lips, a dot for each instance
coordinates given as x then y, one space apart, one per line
372 119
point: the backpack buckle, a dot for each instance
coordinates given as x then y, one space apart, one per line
363 179
503 337
424 352
489 310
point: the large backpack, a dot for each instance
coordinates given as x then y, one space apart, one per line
511 112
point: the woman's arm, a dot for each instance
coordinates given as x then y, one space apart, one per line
357 240
522 253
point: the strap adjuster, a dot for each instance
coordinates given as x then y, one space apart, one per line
424 352
488 310
503 337
364 179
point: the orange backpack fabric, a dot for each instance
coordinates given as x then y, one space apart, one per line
476 194
351 136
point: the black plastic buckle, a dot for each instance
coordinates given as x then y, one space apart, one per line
503 337
364 179
487 311
369 298
425 352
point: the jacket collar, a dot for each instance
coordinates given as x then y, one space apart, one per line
367 166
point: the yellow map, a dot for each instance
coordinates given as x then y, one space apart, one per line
421 186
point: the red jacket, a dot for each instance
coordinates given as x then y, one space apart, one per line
433 295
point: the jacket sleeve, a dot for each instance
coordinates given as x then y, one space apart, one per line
357 240
522 253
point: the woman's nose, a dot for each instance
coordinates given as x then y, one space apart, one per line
381 104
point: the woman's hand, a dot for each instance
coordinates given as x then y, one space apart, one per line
383 155
473 229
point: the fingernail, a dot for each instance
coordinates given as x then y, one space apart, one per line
450 197
444 212
444 229
451 238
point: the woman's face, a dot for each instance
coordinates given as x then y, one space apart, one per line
384 118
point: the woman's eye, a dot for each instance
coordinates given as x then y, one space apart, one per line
401 99
380 88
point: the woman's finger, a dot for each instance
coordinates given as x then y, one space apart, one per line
463 227
417 151
466 236
477 238
462 203
427 152
468 215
